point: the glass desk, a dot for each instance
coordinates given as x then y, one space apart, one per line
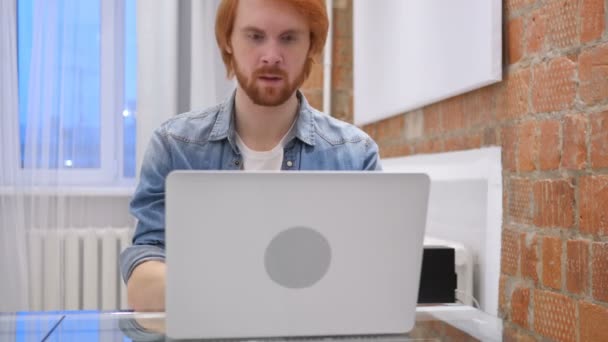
433 323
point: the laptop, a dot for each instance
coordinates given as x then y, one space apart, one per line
293 254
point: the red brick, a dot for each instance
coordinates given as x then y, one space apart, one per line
343 20
512 5
391 128
593 320
549 145
562 23
593 16
342 107
577 266
520 201
413 125
520 301
432 121
509 333
489 136
552 262
554 316
455 144
314 97
472 141
509 260
554 203
341 77
429 146
509 148
525 336
502 295
513 335
370 129
599 269
512 99
554 86
343 52
599 140
452 114
528 147
479 106
593 74
575 142
506 204
515 35
395 151
536 32
593 201
315 79
529 256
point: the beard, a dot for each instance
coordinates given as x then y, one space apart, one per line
266 95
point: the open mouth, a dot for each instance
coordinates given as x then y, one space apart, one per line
270 78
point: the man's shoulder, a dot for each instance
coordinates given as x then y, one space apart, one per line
337 132
194 126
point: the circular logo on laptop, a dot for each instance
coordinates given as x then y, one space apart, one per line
297 257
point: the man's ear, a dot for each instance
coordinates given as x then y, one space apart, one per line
310 52
311 56
229 45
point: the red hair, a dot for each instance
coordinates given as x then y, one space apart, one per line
313 10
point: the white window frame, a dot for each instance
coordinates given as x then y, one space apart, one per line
110 173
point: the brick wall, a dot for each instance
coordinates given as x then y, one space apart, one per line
550 116
342 66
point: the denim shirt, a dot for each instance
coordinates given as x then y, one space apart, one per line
205 140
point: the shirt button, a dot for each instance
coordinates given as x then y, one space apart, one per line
237 162
289 163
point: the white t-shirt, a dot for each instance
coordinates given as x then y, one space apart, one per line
262 160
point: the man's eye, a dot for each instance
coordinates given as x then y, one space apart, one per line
288 38
255 37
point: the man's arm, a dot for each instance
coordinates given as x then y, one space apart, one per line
371 161
146 286
143 270
142 264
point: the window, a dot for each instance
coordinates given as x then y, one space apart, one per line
86 127
130 91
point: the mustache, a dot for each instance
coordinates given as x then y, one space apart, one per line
270 70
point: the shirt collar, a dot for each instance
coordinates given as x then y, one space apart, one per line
303 129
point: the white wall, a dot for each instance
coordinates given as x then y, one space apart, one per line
465 206
410 53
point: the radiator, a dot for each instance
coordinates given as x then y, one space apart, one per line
76 269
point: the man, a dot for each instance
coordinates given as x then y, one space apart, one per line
267 124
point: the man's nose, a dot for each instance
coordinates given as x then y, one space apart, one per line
272 54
